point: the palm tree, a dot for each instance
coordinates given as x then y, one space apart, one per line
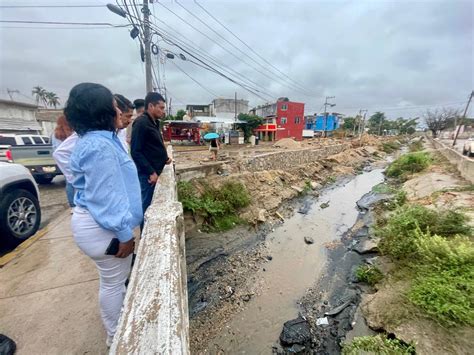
52 99
40 94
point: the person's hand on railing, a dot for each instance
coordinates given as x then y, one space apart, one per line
153 179
125 249
169 161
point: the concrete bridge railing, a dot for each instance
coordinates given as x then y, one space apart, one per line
154 319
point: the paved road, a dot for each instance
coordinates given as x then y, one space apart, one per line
53 200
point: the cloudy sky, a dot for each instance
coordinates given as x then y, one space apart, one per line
400 57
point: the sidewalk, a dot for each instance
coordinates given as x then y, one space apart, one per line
49 296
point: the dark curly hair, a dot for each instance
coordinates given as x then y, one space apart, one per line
90 107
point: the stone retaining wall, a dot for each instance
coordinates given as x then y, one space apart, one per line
290 158
155 312
464 164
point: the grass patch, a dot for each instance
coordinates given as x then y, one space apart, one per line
408 164
444 285
416 146
379 344
390 147
218 205
369 274
401 231
383 188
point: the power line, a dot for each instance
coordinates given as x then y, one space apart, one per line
224 48
61 28
65 23
45 6
245 44
197 82
283 81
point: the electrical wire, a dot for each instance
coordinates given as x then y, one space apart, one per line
265 67
248 46
212 40
65 23
197 82
45 6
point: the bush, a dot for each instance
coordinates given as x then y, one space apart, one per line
378 344
416 146
408 164
400 233
218 205
369 274
444 285
390 147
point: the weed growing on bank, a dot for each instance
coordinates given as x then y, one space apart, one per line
369 274
399 234
416 146
390 147
378 344
408 164
218 205
434 250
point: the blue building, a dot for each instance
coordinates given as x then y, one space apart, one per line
320 123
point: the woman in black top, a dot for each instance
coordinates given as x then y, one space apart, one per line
214 148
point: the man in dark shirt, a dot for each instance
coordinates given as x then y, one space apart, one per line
147 147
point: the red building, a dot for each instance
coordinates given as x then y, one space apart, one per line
283 119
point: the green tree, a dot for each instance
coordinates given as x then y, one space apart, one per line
349 123
40 95
251 122
180 114
375 121
52 99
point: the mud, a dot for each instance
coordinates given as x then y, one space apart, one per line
260 278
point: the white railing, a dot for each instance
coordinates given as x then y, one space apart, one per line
155 313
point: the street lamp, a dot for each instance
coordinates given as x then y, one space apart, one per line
117 10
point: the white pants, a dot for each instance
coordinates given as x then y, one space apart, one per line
93 240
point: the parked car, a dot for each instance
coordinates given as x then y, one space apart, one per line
468 147
20 213
37 158
7 140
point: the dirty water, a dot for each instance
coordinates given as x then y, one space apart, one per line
295 266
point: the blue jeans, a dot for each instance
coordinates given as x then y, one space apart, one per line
70 194
147 191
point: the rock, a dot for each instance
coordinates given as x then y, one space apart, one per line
296 349
296 331
269 257
308 240
362 232
246 298
371 198
315 185
304 209
366 245
262 215
372 261
297 189
324 205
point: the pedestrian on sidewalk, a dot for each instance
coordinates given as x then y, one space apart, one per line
108 204
126 107
147 148
62 133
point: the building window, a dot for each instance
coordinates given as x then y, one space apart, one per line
283 120
297 120
284 107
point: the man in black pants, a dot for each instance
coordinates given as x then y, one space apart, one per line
147 146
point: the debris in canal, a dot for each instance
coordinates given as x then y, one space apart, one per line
308 240
296 331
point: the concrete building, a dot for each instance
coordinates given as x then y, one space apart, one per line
47 119
198 110
228 107
283 119
18 118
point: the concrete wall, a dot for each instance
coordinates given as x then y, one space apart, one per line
291 158
464 164
155 313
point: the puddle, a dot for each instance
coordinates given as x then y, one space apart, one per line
295 267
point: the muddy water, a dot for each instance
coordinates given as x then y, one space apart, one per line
294 268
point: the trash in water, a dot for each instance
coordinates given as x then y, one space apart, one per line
322 321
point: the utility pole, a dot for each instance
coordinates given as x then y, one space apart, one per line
326 104
463 116
235 110
169 108
147 42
